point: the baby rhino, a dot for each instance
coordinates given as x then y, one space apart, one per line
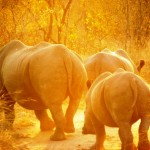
118 100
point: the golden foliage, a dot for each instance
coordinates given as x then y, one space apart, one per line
96 23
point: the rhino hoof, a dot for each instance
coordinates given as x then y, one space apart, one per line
58 137
94 147
70 130
130 146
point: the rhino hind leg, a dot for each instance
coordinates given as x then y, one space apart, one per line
59 119
46 122
88 126
100 134
8 108
144 143
71 110
126 136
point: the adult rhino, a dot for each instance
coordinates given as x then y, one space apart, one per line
106 60
41 77
119 100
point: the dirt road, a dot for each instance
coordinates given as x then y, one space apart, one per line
76 141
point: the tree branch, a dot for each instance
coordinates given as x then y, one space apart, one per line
65 11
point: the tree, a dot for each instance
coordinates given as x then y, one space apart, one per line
58 16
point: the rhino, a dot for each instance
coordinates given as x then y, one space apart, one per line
118 99
106 60
41 77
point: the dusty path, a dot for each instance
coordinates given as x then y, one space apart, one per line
40 140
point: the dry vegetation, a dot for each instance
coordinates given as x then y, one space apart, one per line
86 28
26 126
9 139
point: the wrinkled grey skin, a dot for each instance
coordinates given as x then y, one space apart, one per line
41 77
119 100
106 60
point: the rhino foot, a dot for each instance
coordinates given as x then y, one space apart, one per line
94 147
69 129
144 146
85 131
130 146
58 136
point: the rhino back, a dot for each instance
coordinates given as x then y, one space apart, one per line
48 74
102 62
61 74
129 92
44 74
122 95
25 71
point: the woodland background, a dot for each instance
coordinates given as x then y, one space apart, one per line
86 26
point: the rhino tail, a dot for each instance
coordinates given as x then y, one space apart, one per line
69 69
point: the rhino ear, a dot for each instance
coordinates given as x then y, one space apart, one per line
142 63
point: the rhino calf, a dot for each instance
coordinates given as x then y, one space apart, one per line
118 100
41 77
